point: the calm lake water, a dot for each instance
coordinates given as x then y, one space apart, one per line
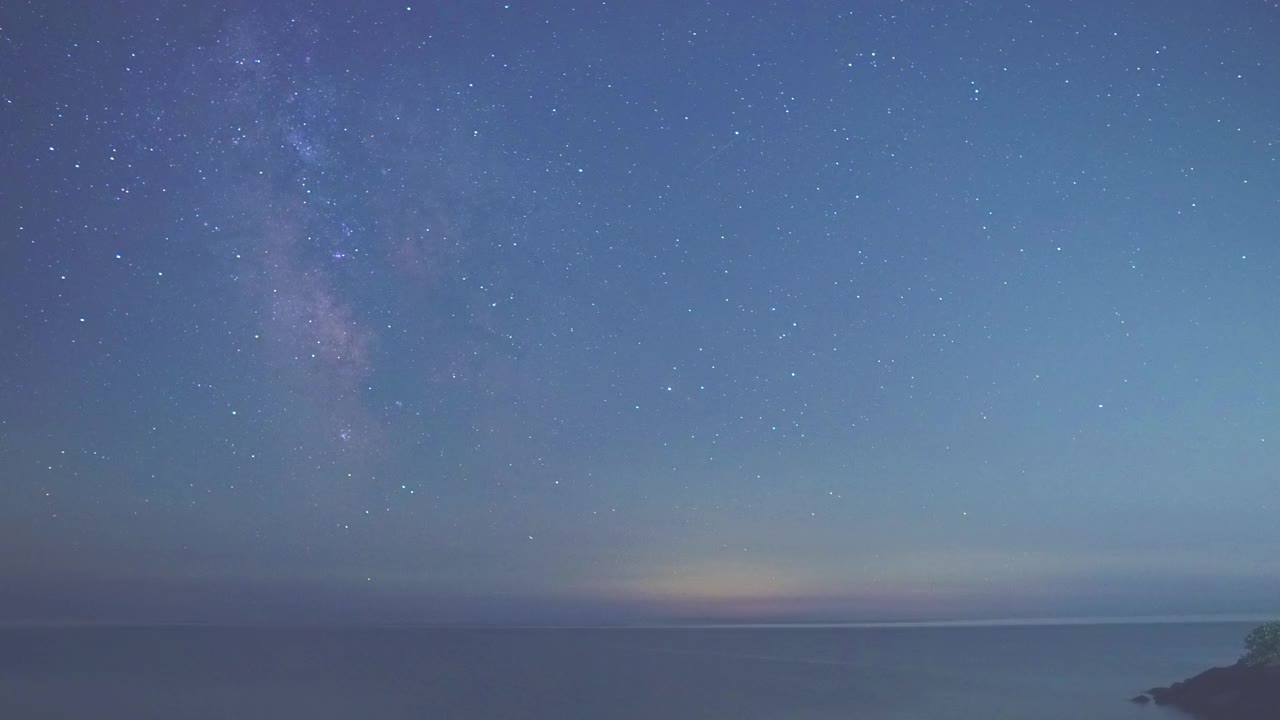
1042 672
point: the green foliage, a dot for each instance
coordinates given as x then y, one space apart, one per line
1263 645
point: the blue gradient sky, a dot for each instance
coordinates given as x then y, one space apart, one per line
513 312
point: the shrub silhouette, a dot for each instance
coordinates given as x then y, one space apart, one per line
1262 645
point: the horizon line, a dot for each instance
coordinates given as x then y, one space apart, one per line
1195 618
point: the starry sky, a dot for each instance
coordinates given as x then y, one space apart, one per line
622 311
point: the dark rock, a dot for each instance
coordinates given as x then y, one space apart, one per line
1236 692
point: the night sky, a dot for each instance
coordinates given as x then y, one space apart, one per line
638 311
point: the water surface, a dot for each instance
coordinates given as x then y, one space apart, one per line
1040 672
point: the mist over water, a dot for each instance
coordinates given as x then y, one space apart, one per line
891 673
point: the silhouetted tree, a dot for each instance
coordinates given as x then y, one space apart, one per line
1263 645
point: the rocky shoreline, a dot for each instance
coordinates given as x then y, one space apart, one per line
1236 692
